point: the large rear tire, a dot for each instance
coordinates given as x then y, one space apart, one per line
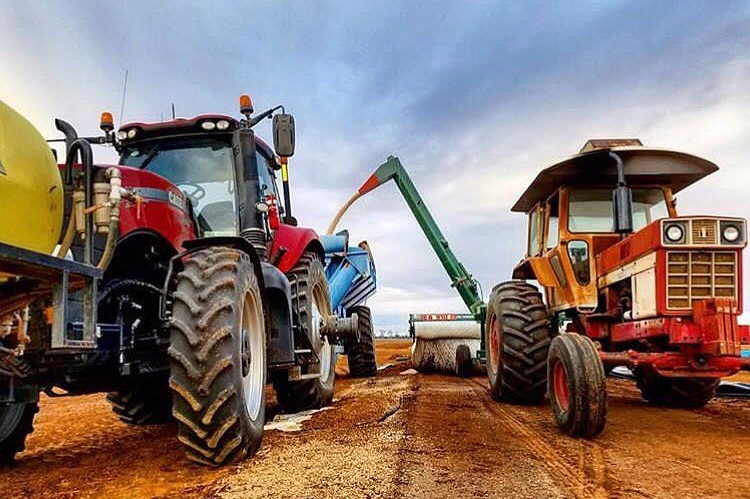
310 302
577 386
146 401
218 357
361 355
517 340
16 423
687 393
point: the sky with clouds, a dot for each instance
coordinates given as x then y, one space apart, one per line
474 97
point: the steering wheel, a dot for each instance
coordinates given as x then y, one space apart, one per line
194 191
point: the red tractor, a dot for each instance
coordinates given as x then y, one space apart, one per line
627 282
206 288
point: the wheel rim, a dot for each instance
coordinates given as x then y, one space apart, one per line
10 416
252 355
324 352
494 342
560 386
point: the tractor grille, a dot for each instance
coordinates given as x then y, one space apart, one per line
704 232
697 275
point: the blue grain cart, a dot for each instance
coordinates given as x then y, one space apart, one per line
351 275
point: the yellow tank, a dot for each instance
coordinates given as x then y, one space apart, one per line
31 192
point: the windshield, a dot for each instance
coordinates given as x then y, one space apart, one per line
590 210
202 169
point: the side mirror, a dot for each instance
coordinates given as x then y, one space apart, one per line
622 200
283 135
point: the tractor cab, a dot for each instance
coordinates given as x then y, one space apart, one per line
224 174
614 193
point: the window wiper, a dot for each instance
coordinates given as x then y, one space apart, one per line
150 155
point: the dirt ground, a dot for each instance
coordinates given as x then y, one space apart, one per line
402 436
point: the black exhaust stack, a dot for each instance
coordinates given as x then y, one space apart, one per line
622 200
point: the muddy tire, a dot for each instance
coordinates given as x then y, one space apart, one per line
148 401
517 339
310 301
577 386
16 423
687 393
361 355
464 365
218 357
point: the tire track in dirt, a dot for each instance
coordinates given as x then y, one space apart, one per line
451 443
587 480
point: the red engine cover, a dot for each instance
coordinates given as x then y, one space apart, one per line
164 209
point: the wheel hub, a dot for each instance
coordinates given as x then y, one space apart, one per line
253 366
245 353
494 342
324 352
560 386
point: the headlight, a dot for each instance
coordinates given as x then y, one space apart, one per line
731 233
208 125
122 135
222 124
674 233
132 132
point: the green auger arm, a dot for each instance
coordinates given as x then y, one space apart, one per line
464 283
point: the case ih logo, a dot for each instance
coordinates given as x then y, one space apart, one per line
177 200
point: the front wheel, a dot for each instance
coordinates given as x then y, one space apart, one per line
577 386
218 357
15 425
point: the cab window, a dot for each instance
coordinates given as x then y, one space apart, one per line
266 177
590 210
552 237
534 242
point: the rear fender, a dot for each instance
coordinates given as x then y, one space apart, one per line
289 243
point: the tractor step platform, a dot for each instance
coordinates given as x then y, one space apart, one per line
34 265
45 275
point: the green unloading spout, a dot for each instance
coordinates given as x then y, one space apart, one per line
464 283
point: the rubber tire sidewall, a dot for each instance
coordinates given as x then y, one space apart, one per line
361 356
294 396
211 268
16 430
520 290
464 363
586 383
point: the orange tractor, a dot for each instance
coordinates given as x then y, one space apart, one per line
627 282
